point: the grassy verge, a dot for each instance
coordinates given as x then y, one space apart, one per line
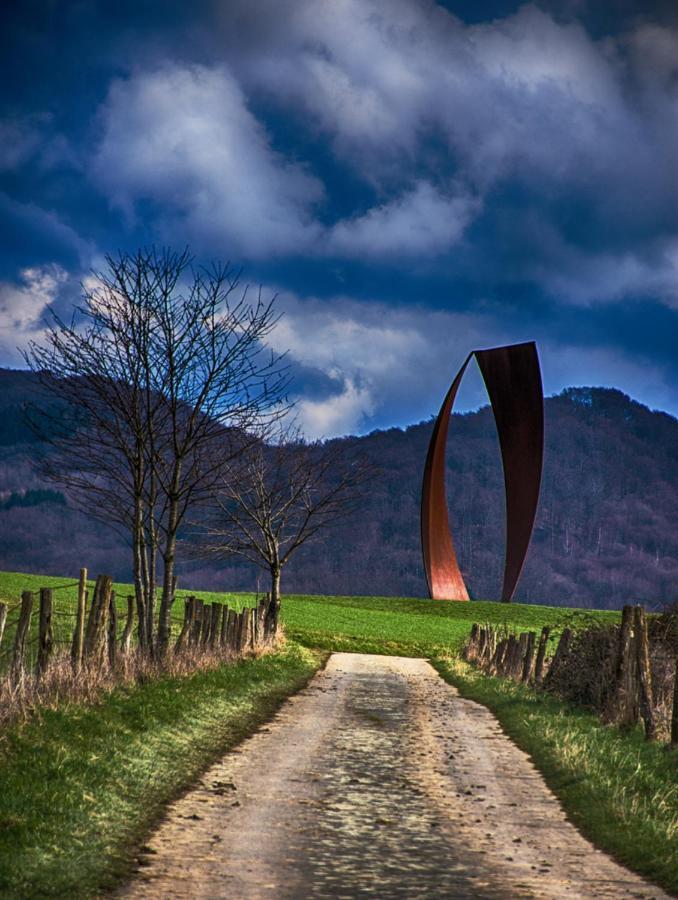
621 791
83 786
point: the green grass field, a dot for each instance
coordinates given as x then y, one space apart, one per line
395 625
87 784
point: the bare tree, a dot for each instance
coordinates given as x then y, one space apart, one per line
277 496
158 381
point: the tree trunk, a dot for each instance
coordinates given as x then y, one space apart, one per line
153 542
139 586
275 598
169 554
164 617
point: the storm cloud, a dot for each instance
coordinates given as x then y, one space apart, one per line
414 179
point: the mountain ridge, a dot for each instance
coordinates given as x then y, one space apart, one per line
606 530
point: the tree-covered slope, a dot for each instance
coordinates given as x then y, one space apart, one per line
606 533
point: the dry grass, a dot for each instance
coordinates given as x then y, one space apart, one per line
60 685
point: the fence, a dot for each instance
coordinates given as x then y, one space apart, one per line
628 673
98 635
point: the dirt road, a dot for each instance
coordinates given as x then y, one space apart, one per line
378 780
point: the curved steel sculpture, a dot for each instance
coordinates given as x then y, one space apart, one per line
513 380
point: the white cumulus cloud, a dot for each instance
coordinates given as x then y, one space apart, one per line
23 306
184 138
420 222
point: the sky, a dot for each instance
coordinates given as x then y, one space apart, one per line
413 180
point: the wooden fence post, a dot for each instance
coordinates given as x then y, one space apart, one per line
245 630
20 636
215 624
3 620
471 649
79 633
261 621
112 631
559 655
509 656
206 623
223 637
253 628
126 639
498 659
644 674
237 631
529 657
231 632
541 654
95 642
622 709
45 638
184 634
483 642
490 646
196 625
521 649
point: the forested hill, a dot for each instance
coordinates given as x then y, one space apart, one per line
606 534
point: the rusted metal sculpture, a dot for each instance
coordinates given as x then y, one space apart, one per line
513 380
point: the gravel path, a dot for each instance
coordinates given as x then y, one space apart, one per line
378 780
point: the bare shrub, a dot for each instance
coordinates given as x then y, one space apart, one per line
585 675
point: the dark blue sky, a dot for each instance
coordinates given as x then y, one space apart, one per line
414 179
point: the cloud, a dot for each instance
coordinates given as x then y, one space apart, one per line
421 221
23 306
519 91
338 414
183 138
584 275
526 111
383 365
439 121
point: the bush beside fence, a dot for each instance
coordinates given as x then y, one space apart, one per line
628 673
